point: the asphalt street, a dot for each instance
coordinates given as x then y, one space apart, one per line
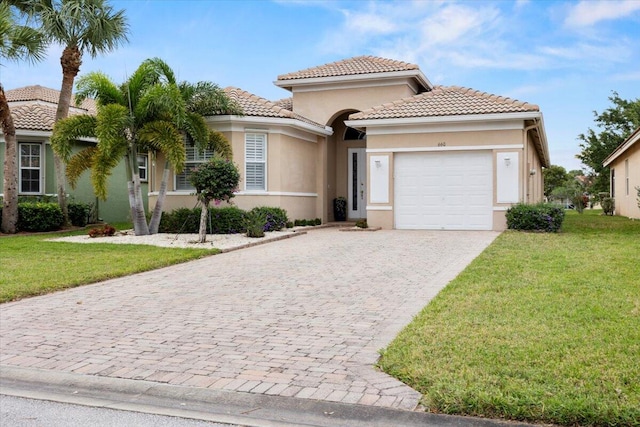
20 412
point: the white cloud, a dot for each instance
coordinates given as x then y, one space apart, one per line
455 23
588 13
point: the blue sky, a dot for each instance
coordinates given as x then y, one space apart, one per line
566 57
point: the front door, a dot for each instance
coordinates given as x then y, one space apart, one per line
357 189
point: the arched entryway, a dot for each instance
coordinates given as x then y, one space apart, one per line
346 167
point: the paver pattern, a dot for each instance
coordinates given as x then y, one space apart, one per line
301 317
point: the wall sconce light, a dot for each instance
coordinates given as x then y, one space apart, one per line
378 163
507 161
532 172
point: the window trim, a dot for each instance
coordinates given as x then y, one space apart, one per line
263 161
40 168
144 167
626 176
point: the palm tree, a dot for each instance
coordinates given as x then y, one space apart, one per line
145 113
17 43
81 26
201 99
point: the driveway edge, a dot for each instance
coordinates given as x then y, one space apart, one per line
212 405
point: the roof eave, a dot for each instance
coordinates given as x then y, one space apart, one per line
288 84
361 123
632 139
295 123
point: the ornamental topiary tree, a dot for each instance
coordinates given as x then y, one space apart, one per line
216 180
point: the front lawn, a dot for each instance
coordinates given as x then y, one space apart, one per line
540 327
29 265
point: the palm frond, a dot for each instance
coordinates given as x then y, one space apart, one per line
79 163
208 99
161 102
220 145
197 130
163 72
98 86
106 157
67 131
163 136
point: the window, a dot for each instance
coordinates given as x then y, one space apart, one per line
30 168
255 156
626 176
143 167
194 158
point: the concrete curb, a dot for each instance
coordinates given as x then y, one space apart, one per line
213 405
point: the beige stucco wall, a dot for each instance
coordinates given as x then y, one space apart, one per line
626 203
292 169
534 181
322 106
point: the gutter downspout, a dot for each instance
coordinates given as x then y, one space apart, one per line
526 176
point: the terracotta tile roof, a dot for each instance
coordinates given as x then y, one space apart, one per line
351 66
45 94
34 116
286 103
34 107
253 105
445 101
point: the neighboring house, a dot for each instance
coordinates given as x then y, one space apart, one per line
405 153
33 109
624 166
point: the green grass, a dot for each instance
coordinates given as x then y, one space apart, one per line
540 328
29 265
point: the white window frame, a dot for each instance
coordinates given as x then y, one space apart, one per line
143 166
251 158
194 158
22 167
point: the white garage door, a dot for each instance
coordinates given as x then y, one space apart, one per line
444 191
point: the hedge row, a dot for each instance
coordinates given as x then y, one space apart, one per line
226 220
44 216
540 217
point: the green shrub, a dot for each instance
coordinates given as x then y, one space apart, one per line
181 220
79 213
318 221
298 223
255 223
226 220
39 216
275 218
289 223
608 205
540 217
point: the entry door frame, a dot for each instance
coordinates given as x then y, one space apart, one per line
357 183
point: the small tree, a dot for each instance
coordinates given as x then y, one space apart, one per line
216 180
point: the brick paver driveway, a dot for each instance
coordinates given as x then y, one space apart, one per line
301 317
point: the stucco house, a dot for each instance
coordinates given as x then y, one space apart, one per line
405 153
624 169
33 109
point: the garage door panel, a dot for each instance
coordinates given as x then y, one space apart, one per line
450 191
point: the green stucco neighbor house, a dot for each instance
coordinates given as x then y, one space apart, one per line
33 109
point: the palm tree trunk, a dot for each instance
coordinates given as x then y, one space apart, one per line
10 181
154 224
70 60
139 217
204 214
